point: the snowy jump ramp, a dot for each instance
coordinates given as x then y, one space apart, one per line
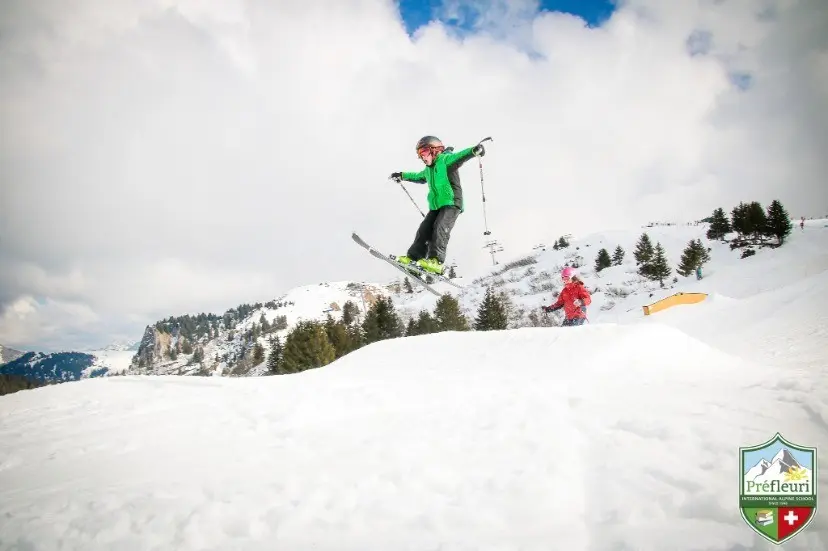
598 437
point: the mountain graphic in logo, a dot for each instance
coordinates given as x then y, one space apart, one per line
783 467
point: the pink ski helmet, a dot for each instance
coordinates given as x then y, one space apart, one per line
567 272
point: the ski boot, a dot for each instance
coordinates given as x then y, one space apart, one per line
408 265
431 265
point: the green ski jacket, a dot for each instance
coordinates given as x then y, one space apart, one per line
442 179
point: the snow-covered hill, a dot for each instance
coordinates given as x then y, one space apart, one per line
620 434
229 338
121 346
530 280
8 354
55 367
601 437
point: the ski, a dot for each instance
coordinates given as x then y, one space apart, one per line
415 268
361 242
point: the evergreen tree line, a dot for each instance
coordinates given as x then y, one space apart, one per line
13 383
751 221
652 260
311 344
561 243
604 260
275 305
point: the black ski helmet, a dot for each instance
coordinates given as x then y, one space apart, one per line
428 141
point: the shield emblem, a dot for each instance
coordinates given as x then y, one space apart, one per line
778 488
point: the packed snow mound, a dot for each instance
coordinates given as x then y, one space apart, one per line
784 325
590 438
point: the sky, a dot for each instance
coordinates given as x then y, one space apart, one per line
180 156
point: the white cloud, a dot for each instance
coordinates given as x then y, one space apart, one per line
61 323
180 156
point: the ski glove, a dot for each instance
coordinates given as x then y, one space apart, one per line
396 176
478 150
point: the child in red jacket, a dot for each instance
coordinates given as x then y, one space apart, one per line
574 299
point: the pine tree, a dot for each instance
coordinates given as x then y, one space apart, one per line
603 260
618 256
643 250
757 220
659 269
778 221
258 354
448 316
701 253
407 285
425 323
689 259
198 355
452 274
274 358
185 346
411 328
491 315
307 347
264 323
738 219
719 225
340 338
349 312
381 321
356 337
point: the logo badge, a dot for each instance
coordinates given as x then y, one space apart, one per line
778 488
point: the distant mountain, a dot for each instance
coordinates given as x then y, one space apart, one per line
8 354
223 344
238 342
56 367
121 346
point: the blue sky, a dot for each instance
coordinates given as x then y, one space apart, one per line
417 13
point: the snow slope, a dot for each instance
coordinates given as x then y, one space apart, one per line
602 437
307 302
115 361
620 434
531 280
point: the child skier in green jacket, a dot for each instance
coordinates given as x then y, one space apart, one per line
445 200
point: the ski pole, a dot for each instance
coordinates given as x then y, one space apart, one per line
412 199
482 191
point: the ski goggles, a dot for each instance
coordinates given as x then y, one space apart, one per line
428 149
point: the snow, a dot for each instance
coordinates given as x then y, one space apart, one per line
619 434
115 361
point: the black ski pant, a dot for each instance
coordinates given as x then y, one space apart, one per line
433 234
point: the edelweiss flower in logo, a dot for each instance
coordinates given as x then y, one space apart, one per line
796 473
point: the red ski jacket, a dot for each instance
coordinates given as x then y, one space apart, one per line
571 291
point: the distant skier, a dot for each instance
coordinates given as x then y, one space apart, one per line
445 200
574 299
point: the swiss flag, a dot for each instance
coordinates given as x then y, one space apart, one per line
791 519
